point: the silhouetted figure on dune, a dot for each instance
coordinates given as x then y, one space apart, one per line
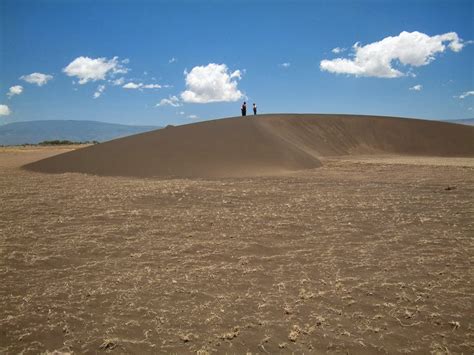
254 108
244 109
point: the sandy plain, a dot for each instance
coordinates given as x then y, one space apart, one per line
361 255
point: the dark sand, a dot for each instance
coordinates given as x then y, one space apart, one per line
265 145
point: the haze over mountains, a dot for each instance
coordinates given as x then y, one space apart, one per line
466 121
34 132
261 145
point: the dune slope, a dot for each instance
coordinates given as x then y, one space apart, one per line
267 144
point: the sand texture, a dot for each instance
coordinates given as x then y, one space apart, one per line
364 255
276 234
265 145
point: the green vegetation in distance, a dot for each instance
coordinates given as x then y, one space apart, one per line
65 142
45 143
54 142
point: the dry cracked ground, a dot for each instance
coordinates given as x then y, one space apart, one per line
363 255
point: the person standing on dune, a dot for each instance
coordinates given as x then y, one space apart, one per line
254 108
244 109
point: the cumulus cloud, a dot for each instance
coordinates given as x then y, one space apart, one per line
408 48
211 83
15 90
285 65
172 60
171 101
99 91
193 117
466 94
141 86
37 78
4 110
89 69
416 87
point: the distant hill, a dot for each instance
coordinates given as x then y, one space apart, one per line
261 145
34 132
466 121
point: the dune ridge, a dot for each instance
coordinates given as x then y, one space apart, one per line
261 145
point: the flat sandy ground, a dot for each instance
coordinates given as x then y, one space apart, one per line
362 255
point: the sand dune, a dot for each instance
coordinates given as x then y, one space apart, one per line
265 145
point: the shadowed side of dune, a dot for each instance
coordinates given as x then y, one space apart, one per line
265 145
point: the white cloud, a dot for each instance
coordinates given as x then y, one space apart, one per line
193 117
118 82
4 110
15 90
416 87
338 50
409 48
36 78
466 94
141 86
236 74
285 65
88 69
172 60
132 85
99 91
171 101
211 83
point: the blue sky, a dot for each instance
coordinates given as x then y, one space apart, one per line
176 62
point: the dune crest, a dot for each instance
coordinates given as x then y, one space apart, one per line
261 145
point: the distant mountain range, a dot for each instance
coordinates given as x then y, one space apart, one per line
467 121
34 132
